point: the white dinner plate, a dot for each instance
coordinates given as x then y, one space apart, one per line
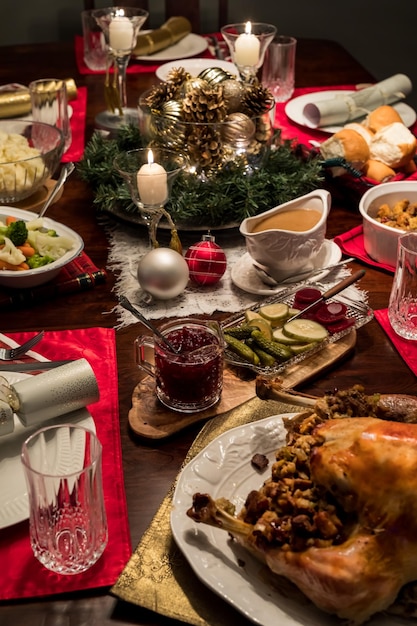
195 66
295 107
223 469
245 277
189 46
13 490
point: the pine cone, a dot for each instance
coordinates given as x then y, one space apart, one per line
256 100
204 145
204 105
159 95
177 76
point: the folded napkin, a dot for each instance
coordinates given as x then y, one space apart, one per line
158 577
174 29
21 575
345 108
79 275
351 243
405 347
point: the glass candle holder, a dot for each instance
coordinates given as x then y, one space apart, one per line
120 26
247 43
149 174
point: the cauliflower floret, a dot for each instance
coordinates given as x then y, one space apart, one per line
11 254
54 247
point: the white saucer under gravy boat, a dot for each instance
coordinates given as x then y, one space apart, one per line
282 252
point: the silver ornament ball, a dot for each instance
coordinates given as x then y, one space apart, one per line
163 273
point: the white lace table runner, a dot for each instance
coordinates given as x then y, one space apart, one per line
128 244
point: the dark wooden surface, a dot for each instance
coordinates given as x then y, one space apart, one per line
149 468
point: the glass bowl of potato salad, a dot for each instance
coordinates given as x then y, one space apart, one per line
30 153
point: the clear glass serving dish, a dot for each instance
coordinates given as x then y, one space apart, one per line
358 311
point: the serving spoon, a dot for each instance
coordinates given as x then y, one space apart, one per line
126 304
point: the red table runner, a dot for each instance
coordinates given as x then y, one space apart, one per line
21 575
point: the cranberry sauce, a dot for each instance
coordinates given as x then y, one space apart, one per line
192 378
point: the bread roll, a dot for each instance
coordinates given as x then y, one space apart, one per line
393 145
366 133
382 116
348 144
378 171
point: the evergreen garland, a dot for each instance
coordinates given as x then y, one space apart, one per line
227 197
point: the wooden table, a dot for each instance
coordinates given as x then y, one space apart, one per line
150 468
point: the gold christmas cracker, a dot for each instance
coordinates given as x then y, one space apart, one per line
173 30
15 103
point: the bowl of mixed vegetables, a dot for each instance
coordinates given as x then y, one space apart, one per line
33 250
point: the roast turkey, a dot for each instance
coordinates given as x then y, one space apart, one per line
338 516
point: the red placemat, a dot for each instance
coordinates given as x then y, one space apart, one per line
21 575
351 243
406 348
78 275
77 123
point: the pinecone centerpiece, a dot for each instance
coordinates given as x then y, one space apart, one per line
213 117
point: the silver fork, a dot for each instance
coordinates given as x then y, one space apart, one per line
9 354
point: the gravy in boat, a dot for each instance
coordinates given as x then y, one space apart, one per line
297 220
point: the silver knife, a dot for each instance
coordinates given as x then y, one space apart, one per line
32 366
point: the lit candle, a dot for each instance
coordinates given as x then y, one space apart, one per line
247 48
121 33
152 182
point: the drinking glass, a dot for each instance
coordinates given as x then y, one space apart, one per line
120 26
68 526
278 70
94 42
402 308
190 378
49 101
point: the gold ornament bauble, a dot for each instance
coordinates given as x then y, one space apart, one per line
191 84
214 75
238 130
232 94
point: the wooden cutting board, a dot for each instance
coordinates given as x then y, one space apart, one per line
152 420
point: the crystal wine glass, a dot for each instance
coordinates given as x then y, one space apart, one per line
149 174
120 26
247 43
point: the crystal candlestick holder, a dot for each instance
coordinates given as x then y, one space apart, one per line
120 26
150 174
247 43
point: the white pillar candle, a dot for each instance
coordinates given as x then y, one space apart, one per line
247 48
121 33
152 182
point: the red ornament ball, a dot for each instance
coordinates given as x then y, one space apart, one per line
206 261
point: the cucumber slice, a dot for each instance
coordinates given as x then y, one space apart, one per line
275 313
299 348
278 335
263 325
251 315
305 330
